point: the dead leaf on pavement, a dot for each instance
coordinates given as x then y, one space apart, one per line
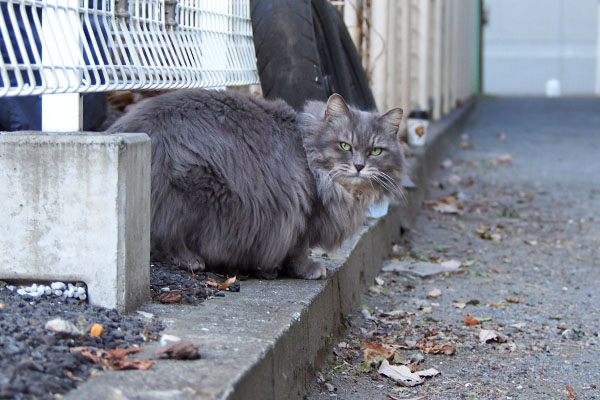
228 282
400 373
211 282
377 351
181 350
454 179
531 242
571 391
115 359
428 373
169 298
446 205
452 264
430 347
435 292
447 164
470 321
487 335
514 300
495 304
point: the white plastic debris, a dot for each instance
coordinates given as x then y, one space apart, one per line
63 327
167 339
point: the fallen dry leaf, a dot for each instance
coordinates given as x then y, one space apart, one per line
211 282
571 391
470 321
430 347
400 373
446 205
435 292
487 335
181 350
228 282
452 264
505 159
97 330
495 304
454 179
377 351
428 373
447 164
514 300
531 242
115 359
169 298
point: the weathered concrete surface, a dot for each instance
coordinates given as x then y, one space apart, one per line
76 207
267 341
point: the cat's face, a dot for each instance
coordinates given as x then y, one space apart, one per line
359 150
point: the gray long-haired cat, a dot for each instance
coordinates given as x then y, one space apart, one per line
242 183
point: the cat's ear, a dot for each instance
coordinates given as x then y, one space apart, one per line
391 120
336 107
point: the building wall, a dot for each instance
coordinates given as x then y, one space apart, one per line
528 42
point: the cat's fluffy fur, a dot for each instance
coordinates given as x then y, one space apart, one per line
243 183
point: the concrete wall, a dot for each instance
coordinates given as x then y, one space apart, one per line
76 207
528 42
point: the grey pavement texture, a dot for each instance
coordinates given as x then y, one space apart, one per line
267 341
528 236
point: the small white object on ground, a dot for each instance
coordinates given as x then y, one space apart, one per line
63 327
167 339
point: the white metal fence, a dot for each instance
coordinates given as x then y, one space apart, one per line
77 46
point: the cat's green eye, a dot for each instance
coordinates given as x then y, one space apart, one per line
345 146
376 151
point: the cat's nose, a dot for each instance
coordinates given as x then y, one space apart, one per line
359 167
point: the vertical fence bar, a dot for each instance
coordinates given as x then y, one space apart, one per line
392 66
405 58
437 59
423 59
379 36
62 112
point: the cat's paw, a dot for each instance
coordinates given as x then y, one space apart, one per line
312 270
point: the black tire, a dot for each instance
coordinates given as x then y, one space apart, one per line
304 52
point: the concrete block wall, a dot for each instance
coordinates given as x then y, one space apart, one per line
76 207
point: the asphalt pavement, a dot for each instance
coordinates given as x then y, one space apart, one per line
515 204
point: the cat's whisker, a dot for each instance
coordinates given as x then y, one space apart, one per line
399 191
390 180
383 184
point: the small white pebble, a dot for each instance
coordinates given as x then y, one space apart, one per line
41 289
165 289
10 287
58 286
58 292
21 292
47 290
81 290
71 287
82 296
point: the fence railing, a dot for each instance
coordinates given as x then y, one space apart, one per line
78 46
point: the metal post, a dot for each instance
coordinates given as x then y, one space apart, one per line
60 28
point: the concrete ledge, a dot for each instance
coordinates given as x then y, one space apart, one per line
267 341
76 207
